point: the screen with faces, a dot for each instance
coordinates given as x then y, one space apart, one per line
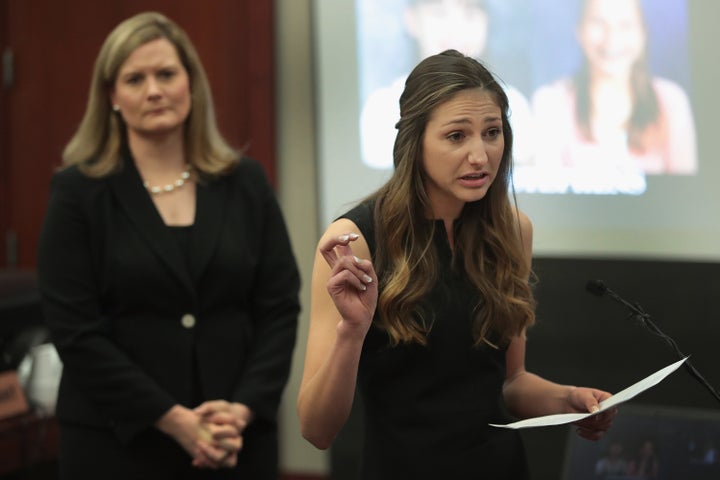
608 102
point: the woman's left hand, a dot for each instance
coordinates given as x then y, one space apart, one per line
584 400
224 412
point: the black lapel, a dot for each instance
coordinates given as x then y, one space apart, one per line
210 214
140 209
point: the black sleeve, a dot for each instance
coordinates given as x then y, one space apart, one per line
362 216
107 386
275 307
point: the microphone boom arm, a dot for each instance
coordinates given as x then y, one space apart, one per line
598 287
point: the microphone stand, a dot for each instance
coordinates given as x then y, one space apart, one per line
636 311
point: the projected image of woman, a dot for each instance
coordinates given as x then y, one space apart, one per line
434 26
623 122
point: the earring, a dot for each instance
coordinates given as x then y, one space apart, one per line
116 107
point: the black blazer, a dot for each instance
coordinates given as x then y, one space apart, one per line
135 320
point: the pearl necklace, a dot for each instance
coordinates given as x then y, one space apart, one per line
158 189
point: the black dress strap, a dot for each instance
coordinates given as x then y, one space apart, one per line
362 215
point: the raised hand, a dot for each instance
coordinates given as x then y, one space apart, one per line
352 284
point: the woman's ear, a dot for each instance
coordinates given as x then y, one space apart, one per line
111 98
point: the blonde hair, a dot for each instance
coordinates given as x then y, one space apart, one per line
96 147
488 240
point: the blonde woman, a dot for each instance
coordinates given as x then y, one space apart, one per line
168 280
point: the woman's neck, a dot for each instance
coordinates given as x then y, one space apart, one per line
158 153
450 232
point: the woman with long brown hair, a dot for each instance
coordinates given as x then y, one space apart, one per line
421 294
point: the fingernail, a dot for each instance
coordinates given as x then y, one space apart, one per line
343 238
357 260
354 236
367 278
595 409
363 287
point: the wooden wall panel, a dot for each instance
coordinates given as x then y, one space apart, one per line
4 135
55 44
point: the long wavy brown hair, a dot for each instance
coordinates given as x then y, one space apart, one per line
98 143
487 244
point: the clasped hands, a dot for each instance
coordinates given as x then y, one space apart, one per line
211 433
220 435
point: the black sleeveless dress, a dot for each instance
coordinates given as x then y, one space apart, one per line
427 408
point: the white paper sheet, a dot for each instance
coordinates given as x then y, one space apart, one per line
620 397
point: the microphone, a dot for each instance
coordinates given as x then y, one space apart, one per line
598 288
